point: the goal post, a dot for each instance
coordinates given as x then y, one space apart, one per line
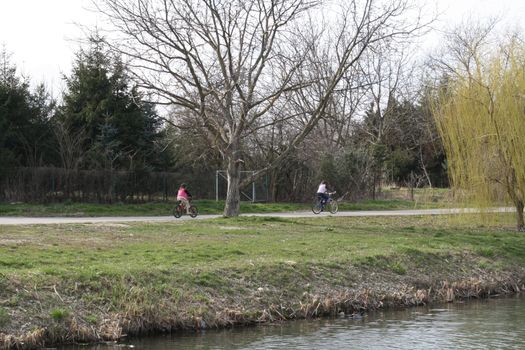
256 191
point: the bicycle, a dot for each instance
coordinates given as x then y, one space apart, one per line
179 209
331 203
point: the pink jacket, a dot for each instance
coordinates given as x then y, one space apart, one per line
182 193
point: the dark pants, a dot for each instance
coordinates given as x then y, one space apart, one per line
323 197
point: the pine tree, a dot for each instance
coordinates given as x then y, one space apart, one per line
26 138
120 129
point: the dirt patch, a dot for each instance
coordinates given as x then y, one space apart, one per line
13 241
107 224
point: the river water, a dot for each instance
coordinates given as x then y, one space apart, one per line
497 323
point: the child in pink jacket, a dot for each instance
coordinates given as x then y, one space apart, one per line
184 196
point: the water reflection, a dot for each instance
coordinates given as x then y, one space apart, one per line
488 324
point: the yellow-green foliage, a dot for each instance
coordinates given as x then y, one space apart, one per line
481 118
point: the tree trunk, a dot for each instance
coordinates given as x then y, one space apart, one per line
412 184
233 173
519 215
516 196
424 167
273 186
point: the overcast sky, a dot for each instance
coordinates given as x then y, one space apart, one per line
41 34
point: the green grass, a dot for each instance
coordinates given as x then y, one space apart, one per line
120 209
59 314
390 204
86 252
84 209
4 317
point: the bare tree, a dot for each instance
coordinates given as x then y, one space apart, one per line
70 149
462 49
232 62
387 70
69 145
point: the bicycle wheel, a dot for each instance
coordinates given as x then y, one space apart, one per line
193 211
316 206
177 211
333 206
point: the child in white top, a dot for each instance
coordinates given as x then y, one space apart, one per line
322 192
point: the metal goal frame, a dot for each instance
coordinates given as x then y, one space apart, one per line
252 197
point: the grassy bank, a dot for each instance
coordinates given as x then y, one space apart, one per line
62 283
396 199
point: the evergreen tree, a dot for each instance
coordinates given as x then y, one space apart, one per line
121 130
26 138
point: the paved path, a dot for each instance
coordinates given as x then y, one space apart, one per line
13 220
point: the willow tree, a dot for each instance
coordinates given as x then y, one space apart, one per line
232 64
480 116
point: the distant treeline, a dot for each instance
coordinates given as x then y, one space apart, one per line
46 185
104 141
50 185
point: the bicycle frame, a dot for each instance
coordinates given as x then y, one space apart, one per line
180 209
330 202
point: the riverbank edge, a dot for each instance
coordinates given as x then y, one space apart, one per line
393 292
